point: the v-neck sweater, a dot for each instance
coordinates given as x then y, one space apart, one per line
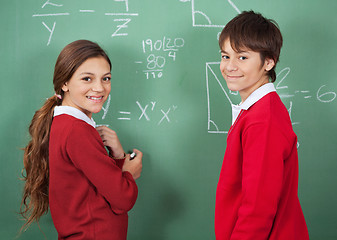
89 195
257 192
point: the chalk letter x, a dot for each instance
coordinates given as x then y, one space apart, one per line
143 111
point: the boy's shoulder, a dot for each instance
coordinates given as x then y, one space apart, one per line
268 105
269 110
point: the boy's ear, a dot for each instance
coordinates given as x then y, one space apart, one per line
269 64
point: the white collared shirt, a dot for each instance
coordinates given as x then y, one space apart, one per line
253 98
58 110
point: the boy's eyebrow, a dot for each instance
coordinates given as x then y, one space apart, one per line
243 52
239 52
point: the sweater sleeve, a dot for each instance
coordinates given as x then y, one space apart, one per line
87 152
262 176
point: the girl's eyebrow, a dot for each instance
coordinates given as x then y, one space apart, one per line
89 73
86 73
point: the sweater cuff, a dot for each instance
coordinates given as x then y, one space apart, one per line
123 158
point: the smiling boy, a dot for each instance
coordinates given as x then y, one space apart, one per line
257 194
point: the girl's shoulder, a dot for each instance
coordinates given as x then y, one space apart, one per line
71 125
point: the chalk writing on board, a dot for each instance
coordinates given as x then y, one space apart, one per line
121 19
106 107
290 109
126 115
210 73
158 52
124 24
50 30
86 11
322 94
126 4
144 112
53 4
204 16
234 6
325 97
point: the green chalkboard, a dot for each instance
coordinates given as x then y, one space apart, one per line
169 100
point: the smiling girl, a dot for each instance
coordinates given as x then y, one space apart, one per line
68 169
257 195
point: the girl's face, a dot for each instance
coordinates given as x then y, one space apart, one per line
243 71
89 87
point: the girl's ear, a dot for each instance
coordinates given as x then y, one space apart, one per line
65 87
269 64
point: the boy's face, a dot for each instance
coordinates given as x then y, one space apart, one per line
243 70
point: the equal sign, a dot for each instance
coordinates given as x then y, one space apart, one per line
304 92
124 118
308 96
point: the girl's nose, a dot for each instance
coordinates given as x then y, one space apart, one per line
97 86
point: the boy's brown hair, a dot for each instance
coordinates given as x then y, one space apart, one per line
253 31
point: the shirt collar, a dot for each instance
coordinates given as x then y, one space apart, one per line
252 99
58 110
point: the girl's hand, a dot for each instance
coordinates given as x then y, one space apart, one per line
111 141
135 165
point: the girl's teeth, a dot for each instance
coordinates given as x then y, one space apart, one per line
95 98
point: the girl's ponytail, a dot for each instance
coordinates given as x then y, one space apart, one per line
36 164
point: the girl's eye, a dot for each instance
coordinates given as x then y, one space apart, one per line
224 57
107 79
243 58
86 79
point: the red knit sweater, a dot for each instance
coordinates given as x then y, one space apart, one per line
89 195
257 190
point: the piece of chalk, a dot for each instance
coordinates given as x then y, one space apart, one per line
132 155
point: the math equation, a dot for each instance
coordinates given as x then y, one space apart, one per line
144 112
158 53
51 10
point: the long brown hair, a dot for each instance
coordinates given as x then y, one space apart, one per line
35 200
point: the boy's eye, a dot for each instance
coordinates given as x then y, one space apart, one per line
243 58
224 57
